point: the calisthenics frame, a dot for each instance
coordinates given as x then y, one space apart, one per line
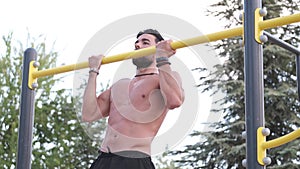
251 32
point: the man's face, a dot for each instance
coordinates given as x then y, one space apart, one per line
144 41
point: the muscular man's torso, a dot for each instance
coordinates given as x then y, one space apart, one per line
137 110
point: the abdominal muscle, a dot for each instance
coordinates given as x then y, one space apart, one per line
127 128
123 134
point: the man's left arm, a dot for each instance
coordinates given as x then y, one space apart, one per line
171 86
169 80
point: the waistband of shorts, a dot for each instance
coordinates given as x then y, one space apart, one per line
126 154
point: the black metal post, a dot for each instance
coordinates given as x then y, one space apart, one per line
26 115
254 89
298 73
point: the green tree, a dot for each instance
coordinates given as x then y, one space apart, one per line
224 147
163 161
59 140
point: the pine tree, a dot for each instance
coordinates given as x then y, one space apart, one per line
225 147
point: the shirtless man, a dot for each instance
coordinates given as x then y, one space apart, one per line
135 107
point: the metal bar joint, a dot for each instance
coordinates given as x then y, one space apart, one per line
32 81
263 145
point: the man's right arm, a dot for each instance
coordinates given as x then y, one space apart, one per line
93 107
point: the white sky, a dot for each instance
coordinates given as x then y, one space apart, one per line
72 23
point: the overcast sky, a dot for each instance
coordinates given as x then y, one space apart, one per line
72 23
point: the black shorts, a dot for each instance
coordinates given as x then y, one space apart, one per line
123 160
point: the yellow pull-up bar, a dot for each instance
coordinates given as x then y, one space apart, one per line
238 31
142 52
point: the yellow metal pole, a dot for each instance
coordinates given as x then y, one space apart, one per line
57 70
281 140
175 45
208 38
142 52
280 21
82 65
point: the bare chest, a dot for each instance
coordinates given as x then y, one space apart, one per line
140 93
140 90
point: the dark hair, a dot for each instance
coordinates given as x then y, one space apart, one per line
152 32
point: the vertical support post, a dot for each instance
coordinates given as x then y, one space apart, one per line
26 115
254 89
298 73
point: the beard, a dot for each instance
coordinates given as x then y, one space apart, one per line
142 62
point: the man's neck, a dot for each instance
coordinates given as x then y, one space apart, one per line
148 70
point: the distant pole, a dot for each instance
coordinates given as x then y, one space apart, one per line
26 115
254 89
290 48
282 43
298 73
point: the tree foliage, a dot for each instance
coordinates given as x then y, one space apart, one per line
224 147
59 141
